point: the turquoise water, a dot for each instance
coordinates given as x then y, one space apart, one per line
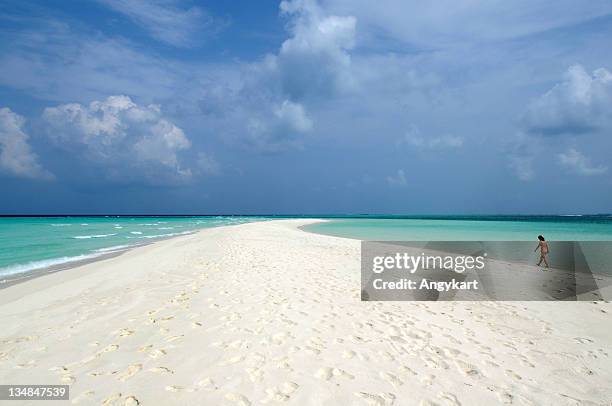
490 232
30 243
470 228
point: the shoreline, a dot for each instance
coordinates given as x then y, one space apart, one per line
266 313
20 277
11 280
75 270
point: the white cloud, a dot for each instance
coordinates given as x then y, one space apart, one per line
576 162
312 64
436 24
16 155
414 138
280 128
165 20
315 59
293 116
128 139
398 179
579 104
313 68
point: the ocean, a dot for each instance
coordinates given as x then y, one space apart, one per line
31 243
469 228
506 238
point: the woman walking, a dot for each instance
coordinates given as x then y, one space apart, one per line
543 246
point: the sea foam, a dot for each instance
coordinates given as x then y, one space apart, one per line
45 263
85 237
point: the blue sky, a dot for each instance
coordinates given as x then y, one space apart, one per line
180 106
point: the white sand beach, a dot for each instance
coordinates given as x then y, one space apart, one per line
265 313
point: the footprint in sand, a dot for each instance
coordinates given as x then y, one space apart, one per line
511 374
452 339
131 401
25 365
112 347
392 379
427 379
435 363
238 399
327 373
504 396
451 352
449 399
83 397
584 370
157 353
161 370
160 320
282 363
124 332
387 356
118 399
255 374
526 362
408 370
129 372
207 384
276 394
280 338
467 369
382 399
289 387
113 399
324 374
312 350
348 354
68 379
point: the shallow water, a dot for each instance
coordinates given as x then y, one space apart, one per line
508 238
470 228
30 243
